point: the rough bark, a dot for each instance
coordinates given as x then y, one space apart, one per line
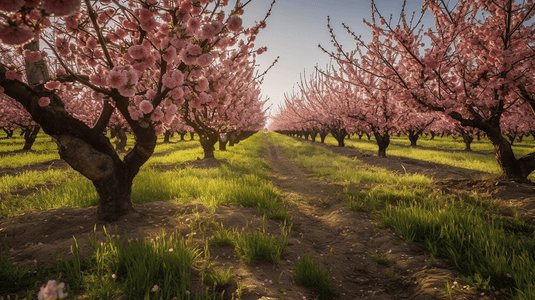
467 139
313 135
9 133
413 137
223 144
30 134
208 142
167 136
383 141
339 134
323 135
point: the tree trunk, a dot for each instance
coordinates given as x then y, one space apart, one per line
313 135
223 144
323 135
413 137
114 192
468 139
383 141
120 142
191 135
306 134
339 134
9 132
208 143
513 168
30 134
182 134
167 136
432 135
232 138
360 135
369 136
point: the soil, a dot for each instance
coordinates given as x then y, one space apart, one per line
342 241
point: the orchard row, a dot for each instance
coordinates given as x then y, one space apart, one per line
80 69
471 73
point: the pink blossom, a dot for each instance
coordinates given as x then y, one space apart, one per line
177 93
16 35
11 5
117 79
168 81
61 7
204 60
145 106
194 49
53 85
151 93
154 288
12 75
43 101
194 24
157 115
32 56
159 130
202 84
170 54
52 291
137 100
178 77
137 52
91 43
234 23
127 91
188 60
135 114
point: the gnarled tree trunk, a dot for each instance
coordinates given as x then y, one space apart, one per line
383 141
30 134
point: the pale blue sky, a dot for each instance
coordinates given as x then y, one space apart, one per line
295 29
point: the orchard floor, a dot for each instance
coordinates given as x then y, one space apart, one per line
341 240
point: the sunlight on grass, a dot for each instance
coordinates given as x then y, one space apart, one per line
30 179
325 164
488 249
27 158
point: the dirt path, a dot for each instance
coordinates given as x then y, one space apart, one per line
345 241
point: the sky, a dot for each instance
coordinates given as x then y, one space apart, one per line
296 27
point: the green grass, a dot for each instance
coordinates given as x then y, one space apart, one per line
241 179
30 179
331 167
489 249
439 151
308 273
261 246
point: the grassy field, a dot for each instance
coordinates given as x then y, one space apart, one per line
489 250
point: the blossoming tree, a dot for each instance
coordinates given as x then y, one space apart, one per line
473 65
136 58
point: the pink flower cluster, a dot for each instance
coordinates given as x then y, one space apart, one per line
124 80
52 291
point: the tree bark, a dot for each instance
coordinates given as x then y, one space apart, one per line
467 139
383 141
413 137
208 142
339 134
223 144
30 134
9 133
191 135
323 135
167 136
313 135
182 134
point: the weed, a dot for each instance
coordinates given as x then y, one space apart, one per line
380 259
308 273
